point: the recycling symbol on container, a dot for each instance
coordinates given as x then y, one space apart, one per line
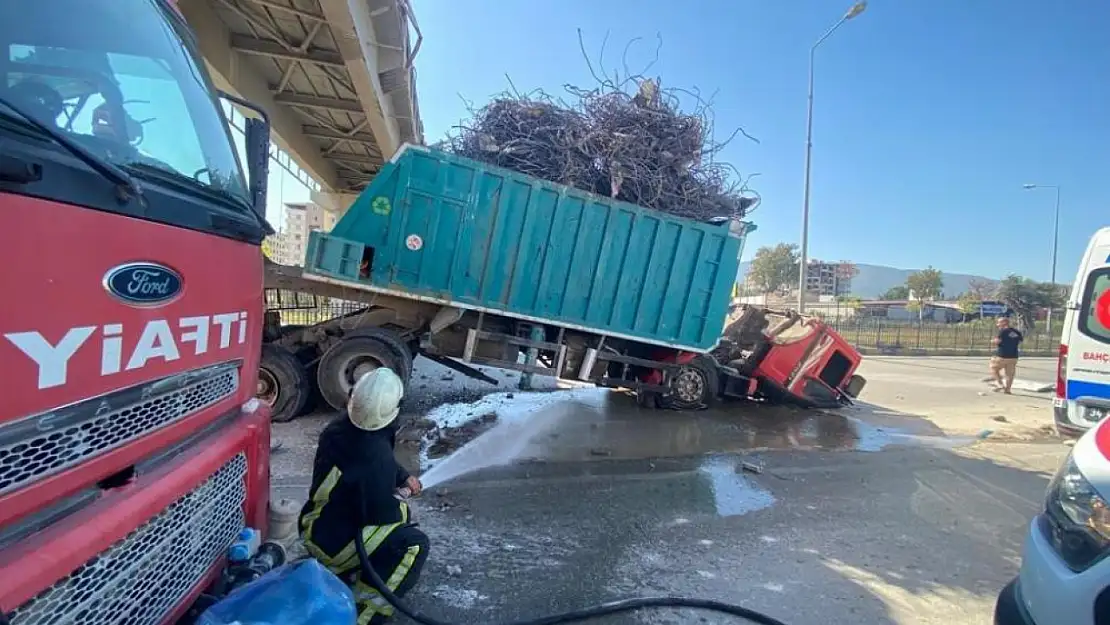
414 242
380 205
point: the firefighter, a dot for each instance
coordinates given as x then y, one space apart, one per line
355 478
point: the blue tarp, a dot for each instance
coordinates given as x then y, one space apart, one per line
301 593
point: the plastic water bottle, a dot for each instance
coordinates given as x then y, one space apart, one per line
245 545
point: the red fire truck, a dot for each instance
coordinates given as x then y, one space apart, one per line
132 450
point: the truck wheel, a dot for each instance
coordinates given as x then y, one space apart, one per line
403 352
647 399
353 357
283 383
693 386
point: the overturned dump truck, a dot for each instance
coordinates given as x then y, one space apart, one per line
469 264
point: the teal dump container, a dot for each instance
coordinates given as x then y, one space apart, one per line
442 228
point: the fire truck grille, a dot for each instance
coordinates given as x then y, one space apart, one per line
39 446
145 575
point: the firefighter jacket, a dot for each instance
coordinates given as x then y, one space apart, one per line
354 478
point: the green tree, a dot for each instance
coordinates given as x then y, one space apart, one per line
1025 297
774 267
926 284
896 293
969 304
850 301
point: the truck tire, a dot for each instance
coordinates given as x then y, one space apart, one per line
352 357
694 386
404 353
283 383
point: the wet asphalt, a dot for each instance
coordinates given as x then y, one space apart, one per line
860 517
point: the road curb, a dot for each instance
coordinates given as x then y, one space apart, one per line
963 353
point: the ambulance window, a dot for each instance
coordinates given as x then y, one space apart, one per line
1094 311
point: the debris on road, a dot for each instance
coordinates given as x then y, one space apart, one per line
442 441
752 467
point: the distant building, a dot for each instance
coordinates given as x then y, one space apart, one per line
824 278
902 310
289 246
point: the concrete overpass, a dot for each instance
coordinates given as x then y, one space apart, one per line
336 77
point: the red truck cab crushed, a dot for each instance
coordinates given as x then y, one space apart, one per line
782 356
763 355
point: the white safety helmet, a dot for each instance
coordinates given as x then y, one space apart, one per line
375 399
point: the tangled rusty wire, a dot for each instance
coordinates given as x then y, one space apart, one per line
636 147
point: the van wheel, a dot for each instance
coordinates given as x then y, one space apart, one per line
693 386
350 359
283 383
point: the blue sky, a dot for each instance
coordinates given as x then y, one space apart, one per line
929 116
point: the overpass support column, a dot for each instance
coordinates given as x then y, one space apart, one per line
334 202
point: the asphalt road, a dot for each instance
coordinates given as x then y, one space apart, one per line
908 509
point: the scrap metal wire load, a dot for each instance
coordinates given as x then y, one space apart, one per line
638 148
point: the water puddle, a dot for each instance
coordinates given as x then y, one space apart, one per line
588 424
733 492
876 438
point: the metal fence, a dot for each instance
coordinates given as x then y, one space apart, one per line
884 336
953 339
305 310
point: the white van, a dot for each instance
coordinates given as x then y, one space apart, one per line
1065 562
1083 374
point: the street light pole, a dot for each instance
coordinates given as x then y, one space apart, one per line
1055 239
856 9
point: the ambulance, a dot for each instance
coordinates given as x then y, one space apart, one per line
1083 373
1065 568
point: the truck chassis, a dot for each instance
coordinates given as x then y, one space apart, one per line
326 358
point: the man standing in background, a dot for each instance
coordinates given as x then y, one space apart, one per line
1005 355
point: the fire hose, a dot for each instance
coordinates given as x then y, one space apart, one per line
583 614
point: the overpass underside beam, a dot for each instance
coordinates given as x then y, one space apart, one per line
337 73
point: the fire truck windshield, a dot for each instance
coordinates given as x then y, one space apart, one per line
122 79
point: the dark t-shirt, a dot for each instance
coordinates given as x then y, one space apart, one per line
1008 340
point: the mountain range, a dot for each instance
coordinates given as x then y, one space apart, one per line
874 280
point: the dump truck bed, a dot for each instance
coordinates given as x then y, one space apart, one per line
457 232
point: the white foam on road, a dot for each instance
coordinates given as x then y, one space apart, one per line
520 418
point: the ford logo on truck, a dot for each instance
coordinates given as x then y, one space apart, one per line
143 284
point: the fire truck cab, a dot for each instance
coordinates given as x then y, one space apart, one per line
132 450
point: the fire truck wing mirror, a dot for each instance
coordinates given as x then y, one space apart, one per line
257 143
258 160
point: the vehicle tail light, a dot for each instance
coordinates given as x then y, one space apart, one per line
1061 372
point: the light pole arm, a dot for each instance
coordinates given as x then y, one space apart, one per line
827 34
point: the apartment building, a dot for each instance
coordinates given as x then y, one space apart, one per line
825 278
288 247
